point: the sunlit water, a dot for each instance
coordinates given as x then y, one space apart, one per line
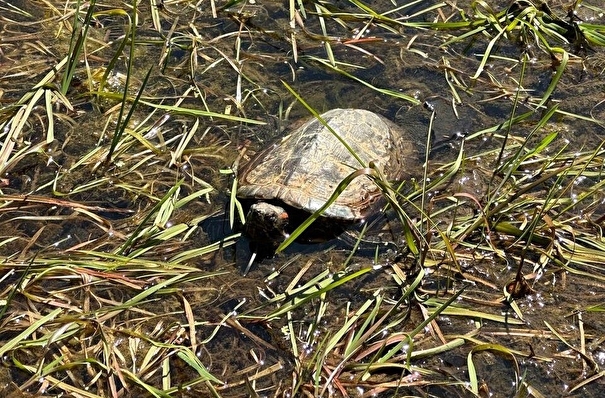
263 56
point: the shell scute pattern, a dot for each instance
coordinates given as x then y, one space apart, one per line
304 168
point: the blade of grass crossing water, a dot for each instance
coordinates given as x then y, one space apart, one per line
78 41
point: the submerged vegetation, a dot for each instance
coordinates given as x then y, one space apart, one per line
121 125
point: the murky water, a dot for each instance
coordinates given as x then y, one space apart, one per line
235 63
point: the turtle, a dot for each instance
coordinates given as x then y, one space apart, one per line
296 175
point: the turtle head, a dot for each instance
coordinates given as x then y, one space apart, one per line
266 224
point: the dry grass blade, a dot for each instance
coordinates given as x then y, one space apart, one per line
113 281
495 348
385 91
37 324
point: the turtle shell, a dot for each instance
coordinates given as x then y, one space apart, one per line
304 168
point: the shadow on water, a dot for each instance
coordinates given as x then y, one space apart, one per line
115 274
378 237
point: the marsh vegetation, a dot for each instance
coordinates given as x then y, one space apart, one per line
122 123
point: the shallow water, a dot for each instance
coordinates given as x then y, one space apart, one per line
240 58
